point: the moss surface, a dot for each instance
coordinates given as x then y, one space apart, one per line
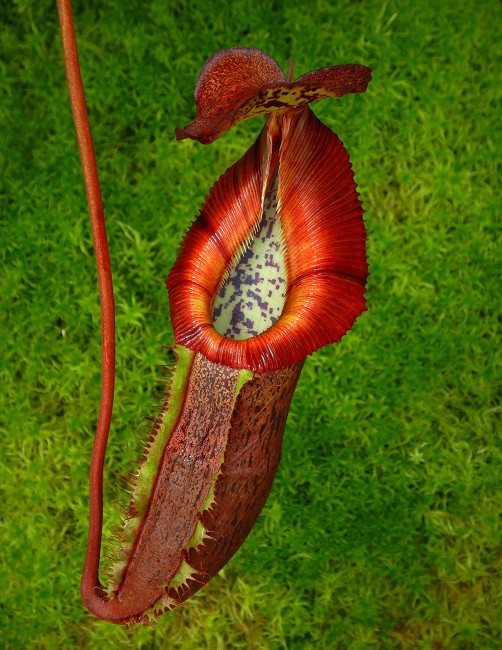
383 527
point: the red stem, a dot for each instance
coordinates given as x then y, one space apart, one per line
90 578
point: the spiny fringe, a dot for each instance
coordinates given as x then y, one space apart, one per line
127 478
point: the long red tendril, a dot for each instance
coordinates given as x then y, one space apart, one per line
90 578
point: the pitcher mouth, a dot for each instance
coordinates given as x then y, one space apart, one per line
292 202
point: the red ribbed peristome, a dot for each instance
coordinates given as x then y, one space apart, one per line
324 237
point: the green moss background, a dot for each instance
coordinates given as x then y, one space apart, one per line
383 526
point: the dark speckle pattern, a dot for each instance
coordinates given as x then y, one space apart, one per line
252 297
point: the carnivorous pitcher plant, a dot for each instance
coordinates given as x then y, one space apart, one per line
272 269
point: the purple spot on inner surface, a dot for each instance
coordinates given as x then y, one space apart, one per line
259 301
251 280
249 325
270 262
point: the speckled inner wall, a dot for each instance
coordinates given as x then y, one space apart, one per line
251 298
